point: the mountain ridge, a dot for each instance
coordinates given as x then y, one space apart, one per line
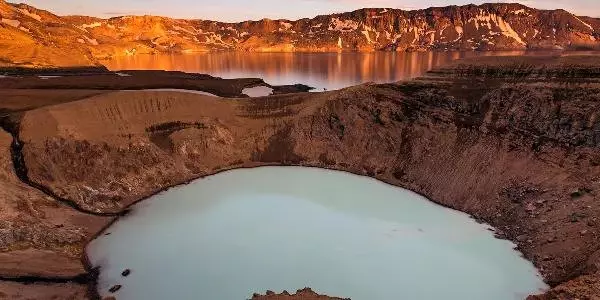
34 37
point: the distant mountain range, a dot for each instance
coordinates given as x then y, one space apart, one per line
34 37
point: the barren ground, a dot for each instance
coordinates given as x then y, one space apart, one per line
514 145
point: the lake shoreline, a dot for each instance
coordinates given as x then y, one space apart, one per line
101 79
389 196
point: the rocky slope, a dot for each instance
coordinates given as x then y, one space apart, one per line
29 36
513 142
34 37
303 294
43 291
41 240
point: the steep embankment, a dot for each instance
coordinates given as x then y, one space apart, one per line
34 37
41 240
515 145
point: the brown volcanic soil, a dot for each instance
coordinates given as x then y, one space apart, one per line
519 152
584 287
303 294
43 291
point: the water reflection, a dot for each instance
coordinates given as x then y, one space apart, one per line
321 70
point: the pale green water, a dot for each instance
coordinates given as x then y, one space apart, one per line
275 228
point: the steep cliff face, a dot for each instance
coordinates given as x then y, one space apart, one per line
484 27
41 240
39 237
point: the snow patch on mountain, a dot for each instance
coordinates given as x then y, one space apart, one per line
521 12
92 42
584 23
343 26
459 29
179 28
215 39
508 31
93 25
11 22
367 32
30 14
286 25
490 19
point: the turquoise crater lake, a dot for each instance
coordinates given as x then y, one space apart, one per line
284 228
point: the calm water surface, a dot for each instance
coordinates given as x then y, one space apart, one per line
319 70
274 228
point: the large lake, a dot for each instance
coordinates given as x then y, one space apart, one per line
319 70
284 228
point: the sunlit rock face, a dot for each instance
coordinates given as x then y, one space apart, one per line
485 27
